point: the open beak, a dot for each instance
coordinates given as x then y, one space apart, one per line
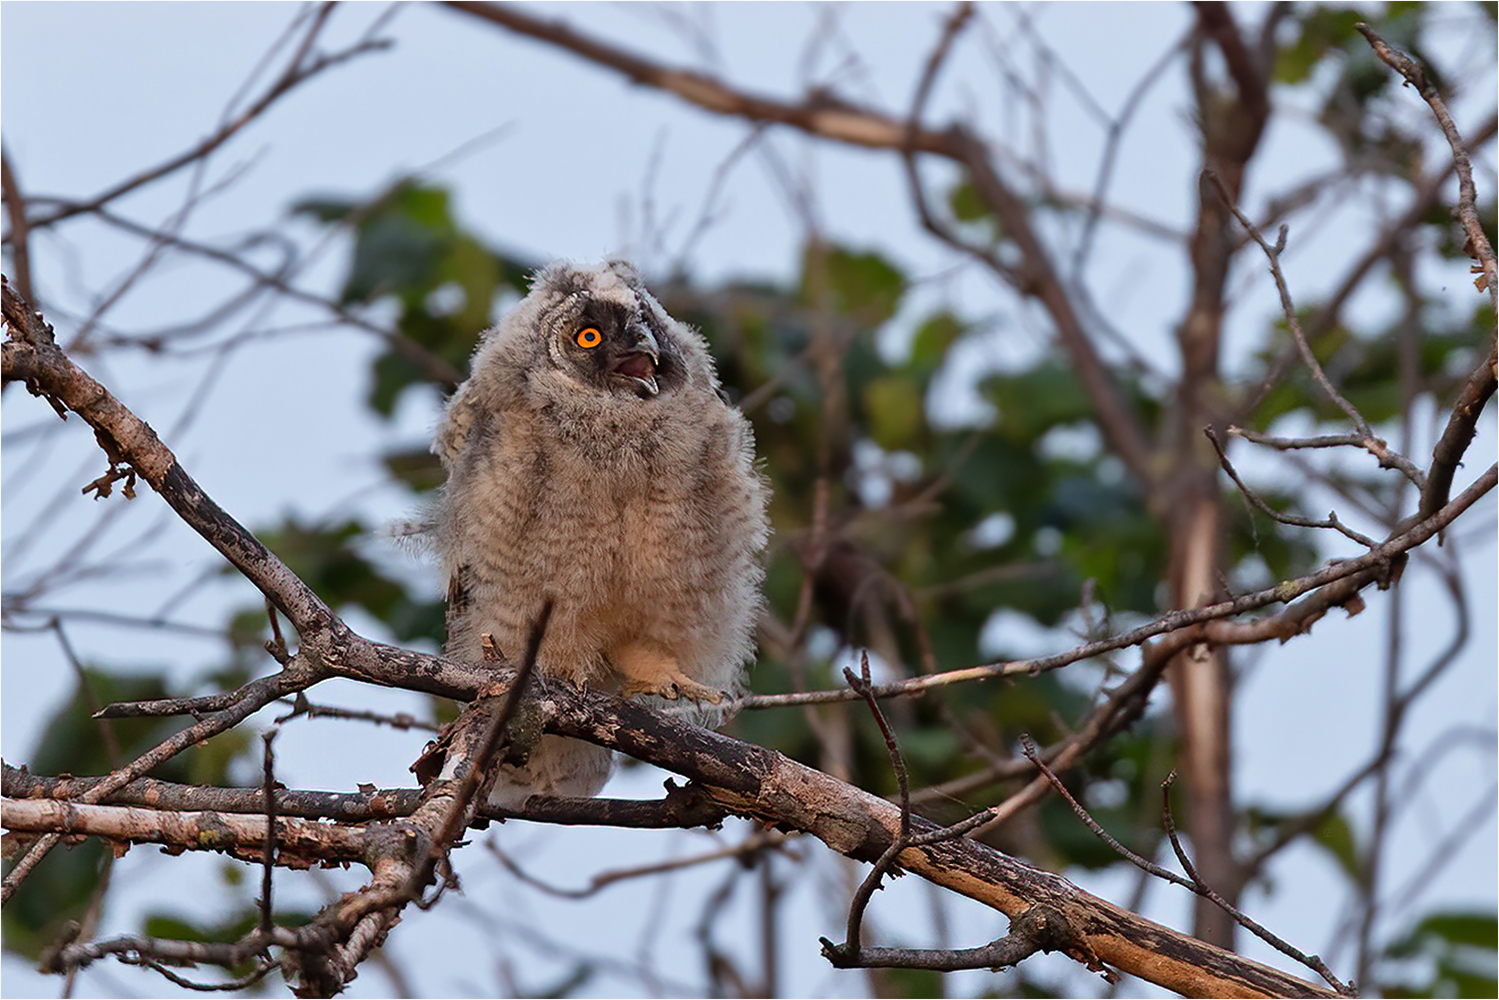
639 366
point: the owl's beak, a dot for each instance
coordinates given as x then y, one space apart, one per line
639 366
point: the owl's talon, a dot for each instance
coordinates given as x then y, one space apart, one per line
672 689
693 691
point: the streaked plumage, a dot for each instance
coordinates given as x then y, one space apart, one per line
592 458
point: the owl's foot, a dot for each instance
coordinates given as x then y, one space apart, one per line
645 671
674 687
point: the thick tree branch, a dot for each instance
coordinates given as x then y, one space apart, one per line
736 776
301 842
683 806
768 786
1189 500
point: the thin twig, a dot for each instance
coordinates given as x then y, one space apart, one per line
861 684
264 968
1028 747
1376 447
1284 518
1377 560
1312 962
301 706
752 845
1425 198
1192 881
269 787
1478 245
295 73
1023 939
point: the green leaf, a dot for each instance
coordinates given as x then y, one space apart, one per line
477 272
1335 836
1323 29
1461 949
933 338
913 983
1032 402
418 468
325 209
893 407
965 203
1478 930
57 890
73 742
864 286
399 245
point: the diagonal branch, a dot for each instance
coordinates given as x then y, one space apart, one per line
1478 245
300 70
827 117
735 776
823 116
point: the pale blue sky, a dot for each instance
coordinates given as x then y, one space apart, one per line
92 92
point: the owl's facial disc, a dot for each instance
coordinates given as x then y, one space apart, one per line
638 367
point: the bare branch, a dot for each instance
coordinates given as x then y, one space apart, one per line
1269 511
298 71
1354 574
1462 424
745 851
682 807
1379 449
301 841
1200 887
1192 881
734 775
823 115
1467 199
829 118
252 697
268 789
852 946
19 236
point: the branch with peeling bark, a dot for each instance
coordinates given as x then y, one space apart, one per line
736 777
1180 478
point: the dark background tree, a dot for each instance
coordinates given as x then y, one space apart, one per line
980 454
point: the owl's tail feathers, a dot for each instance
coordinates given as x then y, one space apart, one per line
557 766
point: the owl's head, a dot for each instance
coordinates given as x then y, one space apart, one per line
585 342
603 330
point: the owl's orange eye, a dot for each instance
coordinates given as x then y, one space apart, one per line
589 336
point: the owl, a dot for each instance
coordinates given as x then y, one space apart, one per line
593 460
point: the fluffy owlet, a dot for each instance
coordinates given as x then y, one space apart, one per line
592 459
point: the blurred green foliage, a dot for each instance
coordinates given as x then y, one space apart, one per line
408 248
937 525
1448 955
75 743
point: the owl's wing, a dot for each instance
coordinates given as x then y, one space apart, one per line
457 421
